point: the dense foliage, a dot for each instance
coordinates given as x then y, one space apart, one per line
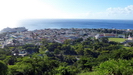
78 57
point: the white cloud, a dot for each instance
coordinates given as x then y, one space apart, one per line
111 13
127 10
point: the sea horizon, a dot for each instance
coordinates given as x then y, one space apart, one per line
33 24
36 24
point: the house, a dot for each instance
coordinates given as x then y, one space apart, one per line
104 35
126 43
99 36
121 36
109 35
130 38
22 53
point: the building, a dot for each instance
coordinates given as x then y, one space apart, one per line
104 35
129 38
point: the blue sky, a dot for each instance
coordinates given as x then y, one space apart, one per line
15 10
85 5
109 9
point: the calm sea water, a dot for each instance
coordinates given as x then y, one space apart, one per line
76 23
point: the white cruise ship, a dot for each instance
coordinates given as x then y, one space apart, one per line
18 29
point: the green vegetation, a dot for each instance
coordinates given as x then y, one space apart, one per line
113 67
78 57
117 39
122 46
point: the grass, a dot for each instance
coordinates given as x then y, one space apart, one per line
122 46
127 47
117 39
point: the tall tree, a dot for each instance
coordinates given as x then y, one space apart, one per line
3 68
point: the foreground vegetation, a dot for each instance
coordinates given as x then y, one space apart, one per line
89 57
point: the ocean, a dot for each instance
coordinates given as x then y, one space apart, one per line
34 24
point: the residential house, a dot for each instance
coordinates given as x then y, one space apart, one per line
130 38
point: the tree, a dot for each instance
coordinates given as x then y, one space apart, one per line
68 41
104 40
21 69
121 54
3 68
77 40
86 63
45 42
115 67
131 44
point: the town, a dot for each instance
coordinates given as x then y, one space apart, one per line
21 36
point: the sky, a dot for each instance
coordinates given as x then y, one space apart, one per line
12 11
